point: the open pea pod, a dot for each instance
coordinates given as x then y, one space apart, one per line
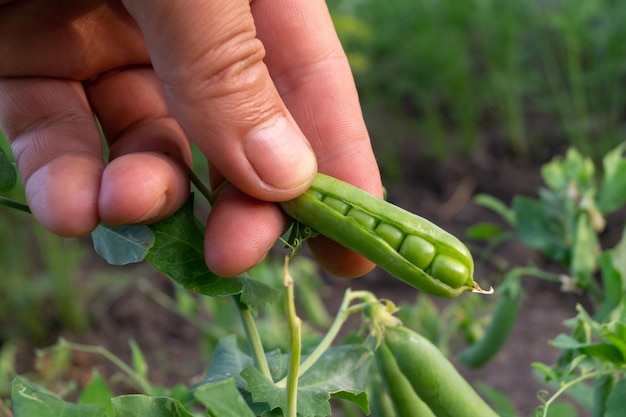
404 244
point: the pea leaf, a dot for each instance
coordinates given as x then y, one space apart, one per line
8 177
97 391
121 245
222 399
228 361
341 372
536 229
178 252
139 361
497 206
142 405
28 401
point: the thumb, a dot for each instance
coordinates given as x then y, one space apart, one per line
210 62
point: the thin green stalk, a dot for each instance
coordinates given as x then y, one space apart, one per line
254 339
295 342
573 382
14 204
143 383
341 317
211 196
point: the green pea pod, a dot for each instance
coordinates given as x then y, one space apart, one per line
404 244
499 328
433 377
405 401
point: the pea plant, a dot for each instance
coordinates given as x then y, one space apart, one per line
565 223
387 369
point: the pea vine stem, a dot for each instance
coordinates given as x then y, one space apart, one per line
253 337
141 382
294 324
573 382
344 312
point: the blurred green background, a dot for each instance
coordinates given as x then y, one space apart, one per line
438 79
458 76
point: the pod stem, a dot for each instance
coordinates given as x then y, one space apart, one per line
4 201
254 339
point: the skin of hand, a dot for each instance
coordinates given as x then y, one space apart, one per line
262 87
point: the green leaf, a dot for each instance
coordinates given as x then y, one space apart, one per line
483 231
142 406
603 351
222 399
616 401
8 177
256 293
29 402
341 371
497 206
613 191
121 245
97 391
139 361
228 361
178 252
536 230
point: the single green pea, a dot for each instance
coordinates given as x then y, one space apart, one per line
362 218
420 252
336 204
390 234
449 270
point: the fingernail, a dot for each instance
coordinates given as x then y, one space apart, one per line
280 155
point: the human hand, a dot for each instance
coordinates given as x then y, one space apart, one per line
262 87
